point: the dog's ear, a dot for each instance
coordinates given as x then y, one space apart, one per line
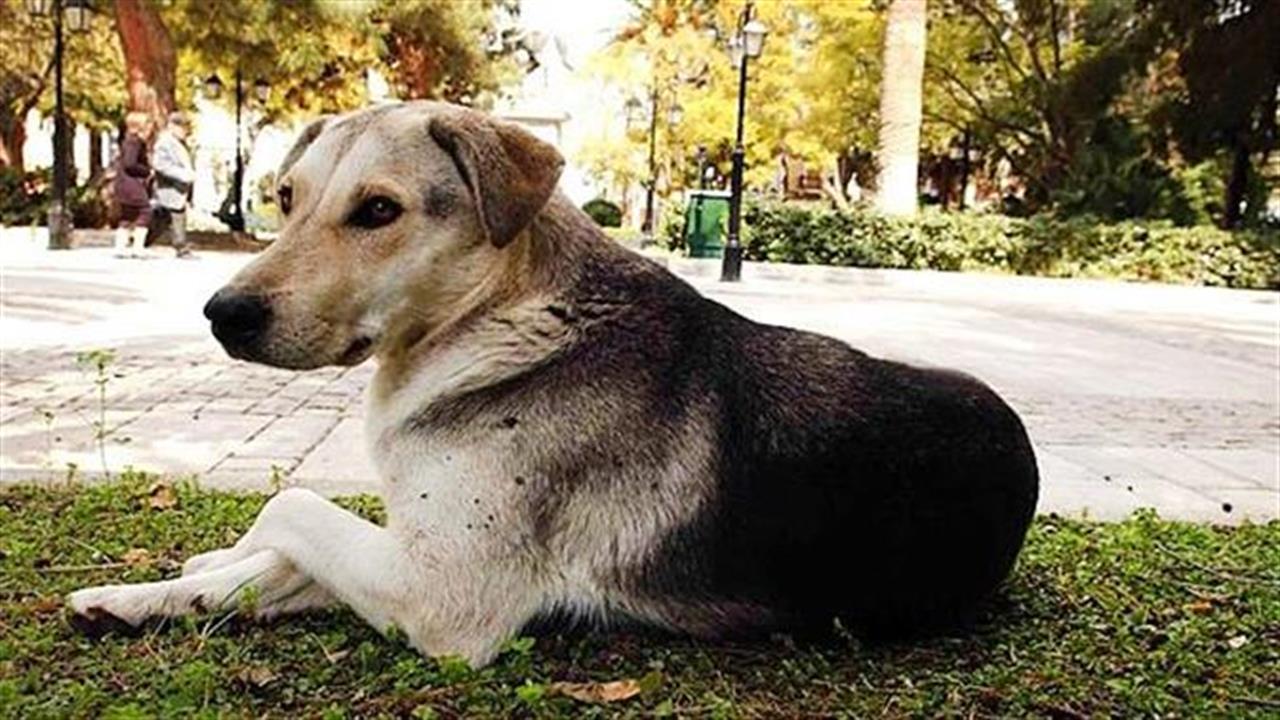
305 138
511 173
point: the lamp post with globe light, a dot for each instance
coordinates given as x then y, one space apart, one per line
633 108
232 211
74 14
743 47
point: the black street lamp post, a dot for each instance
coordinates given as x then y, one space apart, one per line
232 210
674 113
77 17
646 227
745 46
235 218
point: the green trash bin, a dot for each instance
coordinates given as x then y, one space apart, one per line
705 216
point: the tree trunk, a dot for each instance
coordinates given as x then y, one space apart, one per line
95 154
900 107
13 134
1237 185
150 61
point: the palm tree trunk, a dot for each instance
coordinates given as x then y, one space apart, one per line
900 107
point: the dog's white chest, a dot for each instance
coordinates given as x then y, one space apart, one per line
439 489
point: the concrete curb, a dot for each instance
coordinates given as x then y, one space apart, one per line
709 269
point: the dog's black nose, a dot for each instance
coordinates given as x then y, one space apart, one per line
239 319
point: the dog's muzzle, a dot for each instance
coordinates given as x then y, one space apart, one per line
239 320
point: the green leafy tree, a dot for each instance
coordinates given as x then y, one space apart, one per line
312 53
842 87
315 53
455 51
677 47
661 59
1036 80
92 65
1222 109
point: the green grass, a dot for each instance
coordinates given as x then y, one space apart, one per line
1138 619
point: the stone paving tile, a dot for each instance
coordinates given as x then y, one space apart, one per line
38 442
183 442
268 466
341 457
1148 486
1199 505
258 481
13 412
250 480
1175 465
183 404
1254 505
1156 422
1259 465
292 437
319 410
276 405
1073 490
226 404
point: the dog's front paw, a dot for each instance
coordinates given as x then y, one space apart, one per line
107 609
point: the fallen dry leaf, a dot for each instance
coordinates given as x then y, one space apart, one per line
257 676
599 693
336 656
136 557
161 497
47 605
1200 607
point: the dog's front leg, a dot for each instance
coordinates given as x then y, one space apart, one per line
266 583
300 538
302 551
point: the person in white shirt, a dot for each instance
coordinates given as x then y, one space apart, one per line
174 176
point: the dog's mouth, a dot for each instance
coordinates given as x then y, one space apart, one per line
357 351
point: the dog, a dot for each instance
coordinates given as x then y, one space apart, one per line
563 429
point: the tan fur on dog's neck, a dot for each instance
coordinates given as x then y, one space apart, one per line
513 283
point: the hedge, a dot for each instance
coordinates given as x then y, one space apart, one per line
1080 247
25 197
605 213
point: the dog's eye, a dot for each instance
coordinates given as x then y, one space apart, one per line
375 212
285 198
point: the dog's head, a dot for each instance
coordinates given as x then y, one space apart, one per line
392 216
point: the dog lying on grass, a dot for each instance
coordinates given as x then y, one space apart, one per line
563 428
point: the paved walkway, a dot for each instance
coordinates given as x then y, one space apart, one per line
1135 395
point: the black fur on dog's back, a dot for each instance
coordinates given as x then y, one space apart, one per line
893 497
820 482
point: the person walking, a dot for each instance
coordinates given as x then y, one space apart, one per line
132 184
174 178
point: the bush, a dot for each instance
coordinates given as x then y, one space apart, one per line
24 200
1040 245
671 226
24 197
605 213
91 205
